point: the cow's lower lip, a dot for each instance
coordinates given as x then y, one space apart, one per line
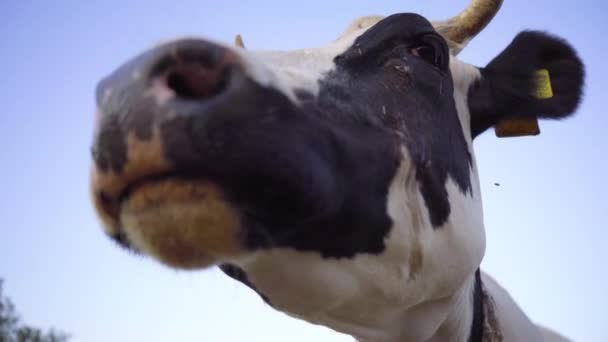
183 223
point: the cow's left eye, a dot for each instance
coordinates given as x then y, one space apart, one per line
428 53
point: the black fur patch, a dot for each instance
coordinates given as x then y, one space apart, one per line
508 83
301 180
379 82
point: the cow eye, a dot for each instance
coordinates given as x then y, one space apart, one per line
428 53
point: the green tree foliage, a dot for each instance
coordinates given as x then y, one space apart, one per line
13 330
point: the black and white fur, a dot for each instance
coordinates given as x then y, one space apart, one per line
354 164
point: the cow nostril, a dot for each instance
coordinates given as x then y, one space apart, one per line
197 82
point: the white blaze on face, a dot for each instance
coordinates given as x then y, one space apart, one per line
302 69
464 76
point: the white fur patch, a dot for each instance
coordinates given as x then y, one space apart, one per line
301 69
464 75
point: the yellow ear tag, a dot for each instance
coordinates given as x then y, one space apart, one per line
543 82
517 127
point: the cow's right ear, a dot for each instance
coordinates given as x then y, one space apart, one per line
536 76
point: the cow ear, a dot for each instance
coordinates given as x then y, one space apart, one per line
536 76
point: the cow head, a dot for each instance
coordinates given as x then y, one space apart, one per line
339 182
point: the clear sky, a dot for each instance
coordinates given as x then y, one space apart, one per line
546 222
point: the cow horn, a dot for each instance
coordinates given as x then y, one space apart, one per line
459 30
238 41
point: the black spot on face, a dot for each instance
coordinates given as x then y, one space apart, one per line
383 81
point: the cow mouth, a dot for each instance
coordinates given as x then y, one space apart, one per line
183 222
111 205
144 194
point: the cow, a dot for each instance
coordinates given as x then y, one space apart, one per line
339 183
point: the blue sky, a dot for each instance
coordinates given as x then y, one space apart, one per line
546 224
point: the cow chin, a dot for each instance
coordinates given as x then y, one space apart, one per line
183 224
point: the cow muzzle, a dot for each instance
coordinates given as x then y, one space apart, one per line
152 112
